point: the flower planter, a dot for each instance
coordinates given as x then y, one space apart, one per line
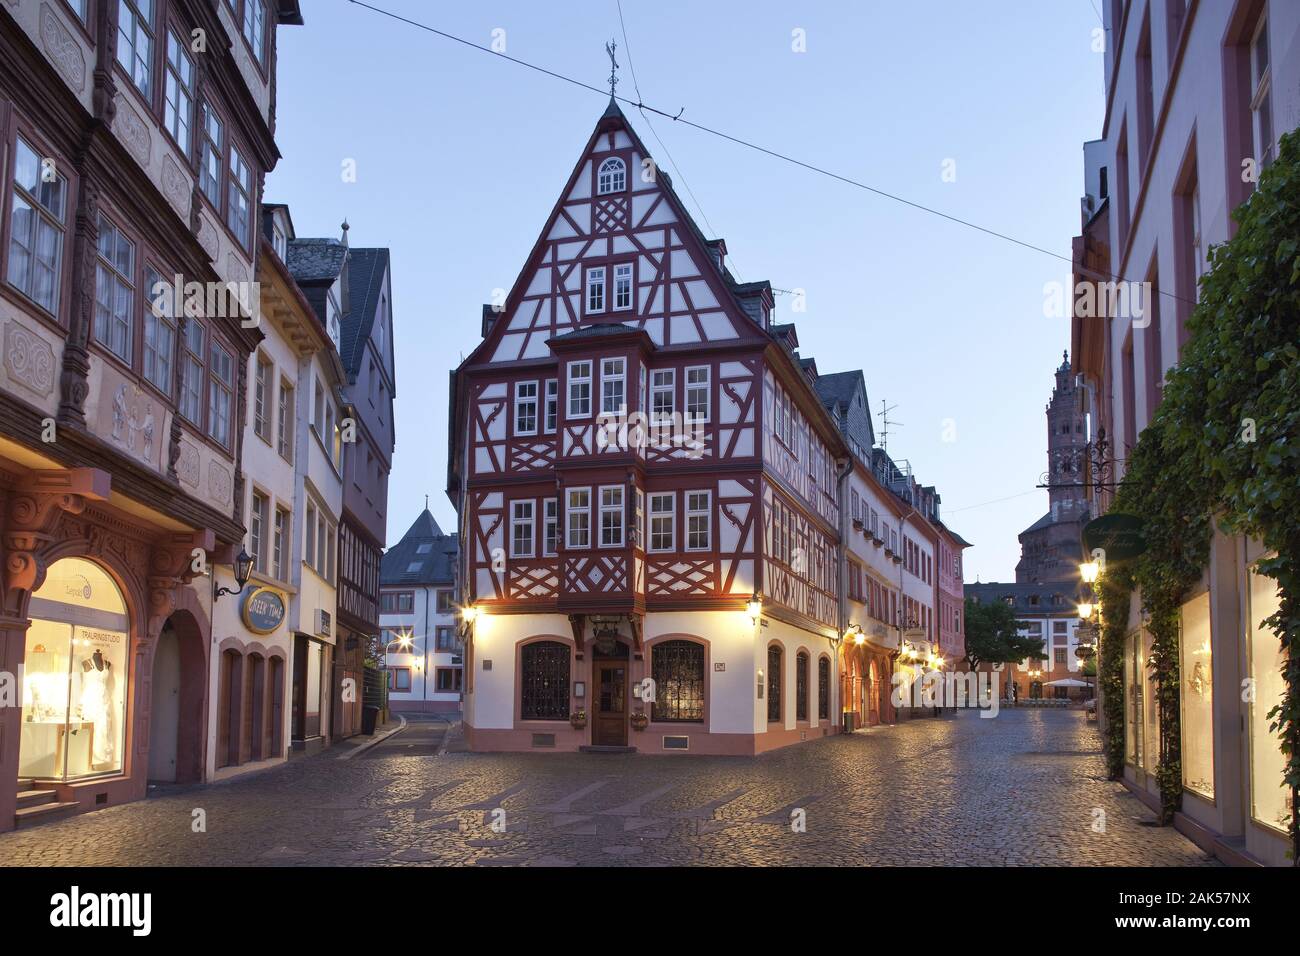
578 721
640 721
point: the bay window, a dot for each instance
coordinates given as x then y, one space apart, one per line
612 517
239 197
699 515
578 518
159 332
521 529
114 289
178 101
552 403
662 520
221 387
211 150
663 388
697 394
613 386
191 404
579 390
135 43
551 530
36 227
525 408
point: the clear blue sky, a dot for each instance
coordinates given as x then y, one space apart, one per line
461 155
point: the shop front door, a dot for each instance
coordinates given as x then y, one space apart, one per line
609 727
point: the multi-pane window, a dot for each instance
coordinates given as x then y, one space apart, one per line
257 531
254 28
613 386
281 538
552 404
611 177
442 603
663 387
262 398
239 198
521 529
551 526
774 683
611 517
36 227
544 681
623 287
159 331
579 390
596 289
1261 100
448 680
525 408
698 520
444 639
578 517
309 549
210 153
221 386
79 8
135 42
697 394
114 289
662 520
178 102
801 686
191 405
678 671
285 421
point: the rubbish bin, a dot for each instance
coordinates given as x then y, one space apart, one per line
848 721
369 716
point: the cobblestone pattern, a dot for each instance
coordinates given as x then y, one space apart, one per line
1026 788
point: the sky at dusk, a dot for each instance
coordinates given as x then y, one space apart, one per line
460 157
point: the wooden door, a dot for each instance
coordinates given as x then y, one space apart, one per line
609 727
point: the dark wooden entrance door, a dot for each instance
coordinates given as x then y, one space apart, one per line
609 727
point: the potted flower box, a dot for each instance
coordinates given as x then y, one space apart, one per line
578 719
640 721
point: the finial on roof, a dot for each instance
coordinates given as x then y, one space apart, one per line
610 47
345 231
426 502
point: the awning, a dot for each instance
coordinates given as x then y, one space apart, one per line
1067 682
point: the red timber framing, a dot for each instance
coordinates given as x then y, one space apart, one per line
608 433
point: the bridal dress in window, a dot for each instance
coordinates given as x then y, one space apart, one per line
96 707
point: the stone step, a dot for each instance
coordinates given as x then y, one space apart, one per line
26 785
606 749
35 798
44 813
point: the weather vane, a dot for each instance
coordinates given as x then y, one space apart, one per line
610 47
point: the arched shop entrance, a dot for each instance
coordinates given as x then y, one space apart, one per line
176 713
76 676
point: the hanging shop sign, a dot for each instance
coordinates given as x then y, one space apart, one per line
263 610
1119 537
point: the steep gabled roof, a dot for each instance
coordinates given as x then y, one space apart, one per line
838 391
366 270
424 556
316 260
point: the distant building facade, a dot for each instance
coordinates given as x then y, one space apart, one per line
420 626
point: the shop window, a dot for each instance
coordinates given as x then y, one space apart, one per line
678 671
1196 663
76 675
1269 801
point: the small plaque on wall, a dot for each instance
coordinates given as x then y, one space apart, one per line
487 663
720 666
579 688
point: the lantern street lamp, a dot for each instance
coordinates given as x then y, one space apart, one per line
755 607
243 570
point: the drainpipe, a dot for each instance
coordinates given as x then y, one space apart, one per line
425 629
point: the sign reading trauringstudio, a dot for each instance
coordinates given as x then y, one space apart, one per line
937 689
263 610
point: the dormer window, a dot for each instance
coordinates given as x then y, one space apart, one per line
612 177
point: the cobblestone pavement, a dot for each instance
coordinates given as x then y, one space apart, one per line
1022 789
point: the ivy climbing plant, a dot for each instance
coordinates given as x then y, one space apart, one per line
1223 445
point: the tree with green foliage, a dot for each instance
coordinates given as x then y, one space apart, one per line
993 636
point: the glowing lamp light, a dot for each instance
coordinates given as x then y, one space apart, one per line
469 614
755 607
1088 571
1085 609
855 632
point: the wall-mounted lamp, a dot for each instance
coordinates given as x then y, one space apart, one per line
1085 609
755 607
1089 571
243 570
855 632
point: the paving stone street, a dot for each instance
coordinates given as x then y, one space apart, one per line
1021 789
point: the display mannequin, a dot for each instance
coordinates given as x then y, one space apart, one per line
96 703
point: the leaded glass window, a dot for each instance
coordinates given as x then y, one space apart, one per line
544 681
774 684
678 671
801 687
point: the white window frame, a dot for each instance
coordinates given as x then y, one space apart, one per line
663 382
178 92
611 177
524 402
571 511
610 377
575 379
616 512
658 514
694 513
550 527
595 283
623 284
1261 99
523 513
690 386
551 413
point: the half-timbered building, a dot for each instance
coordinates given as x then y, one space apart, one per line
647 490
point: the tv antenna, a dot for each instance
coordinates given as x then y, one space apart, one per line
886 423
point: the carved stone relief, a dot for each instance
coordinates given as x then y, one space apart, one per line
133 132
64 51
29 359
